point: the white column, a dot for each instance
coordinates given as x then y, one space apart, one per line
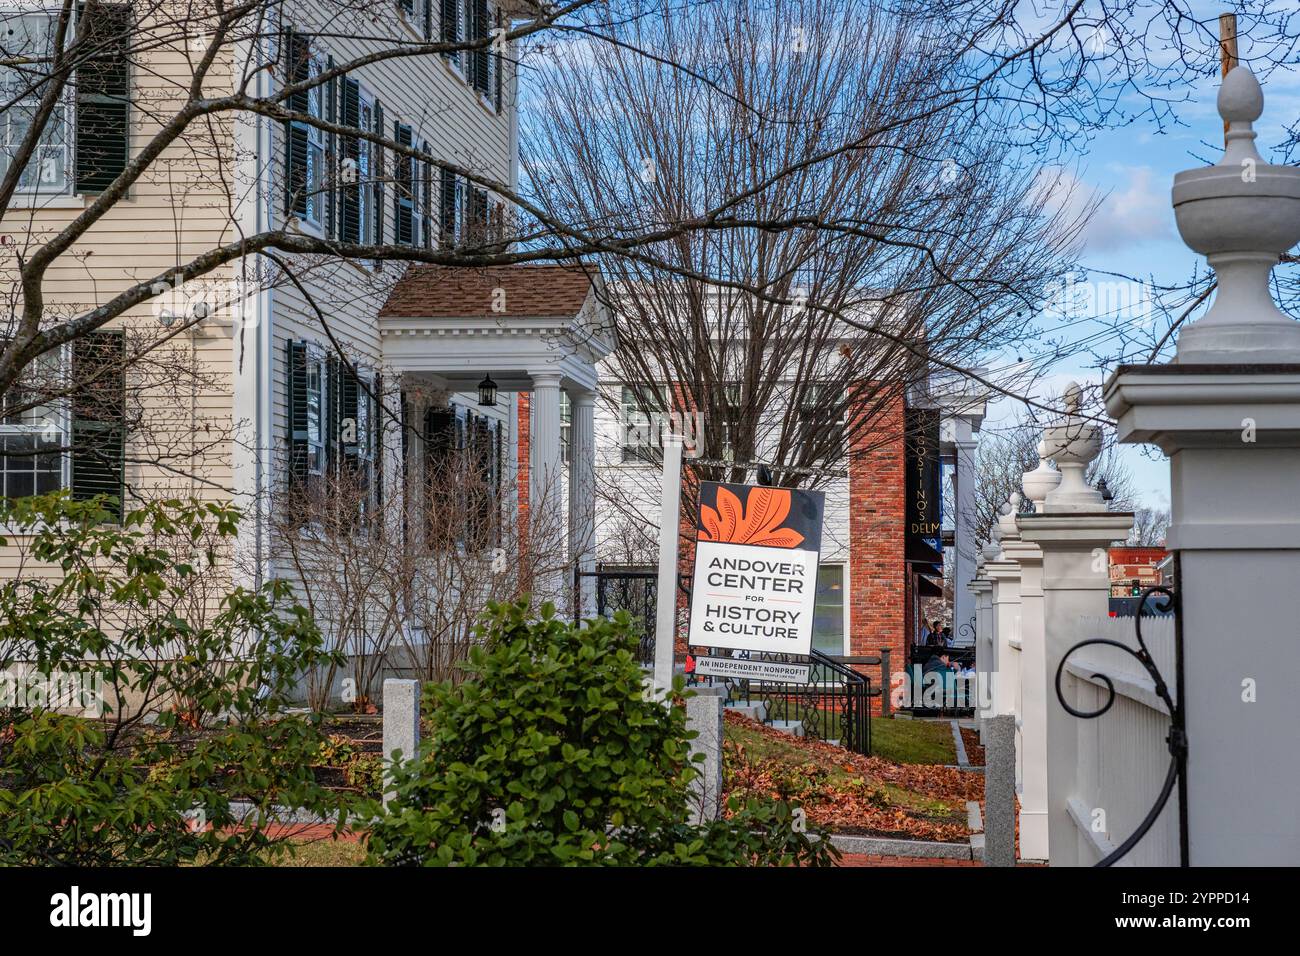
1228 415
1033 679
1074 532
582 489
964 544
546 475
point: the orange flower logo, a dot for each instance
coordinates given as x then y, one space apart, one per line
758 522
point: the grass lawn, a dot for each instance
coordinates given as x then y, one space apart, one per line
324 853
912 741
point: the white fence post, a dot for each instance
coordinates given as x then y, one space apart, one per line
1227 412
1074 532
1033 678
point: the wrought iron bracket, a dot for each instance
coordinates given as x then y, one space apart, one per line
1177 736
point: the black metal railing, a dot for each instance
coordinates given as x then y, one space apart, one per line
834 706
625 590
1176 739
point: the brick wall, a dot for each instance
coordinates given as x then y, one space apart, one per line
878 598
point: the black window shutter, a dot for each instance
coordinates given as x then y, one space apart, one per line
477 215
426 200
349 412
478 66
428 19
297 396
332 158
447 207
498 65
451 25
103 88
333 413
403 200
380 174
350 193
99 418
297 70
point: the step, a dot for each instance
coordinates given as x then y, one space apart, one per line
754 711
792 727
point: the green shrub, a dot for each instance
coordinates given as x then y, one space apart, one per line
551 754
130 611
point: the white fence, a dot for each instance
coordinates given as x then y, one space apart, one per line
1123 757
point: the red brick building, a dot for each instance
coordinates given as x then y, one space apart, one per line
1129 565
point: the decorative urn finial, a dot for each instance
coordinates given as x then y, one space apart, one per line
1041 481
1241 214
1072 444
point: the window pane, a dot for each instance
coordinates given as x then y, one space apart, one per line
20 88
828 611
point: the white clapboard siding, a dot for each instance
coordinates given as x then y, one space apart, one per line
1123 755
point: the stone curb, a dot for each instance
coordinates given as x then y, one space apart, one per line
884 846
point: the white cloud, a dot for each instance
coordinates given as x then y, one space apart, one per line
1136 211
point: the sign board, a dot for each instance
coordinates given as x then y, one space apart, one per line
756 556
924 517
752 670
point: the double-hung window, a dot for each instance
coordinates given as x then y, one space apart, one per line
26 47
730 415
642 424
34 432
821 418
317 396
54 437
317 149
367 186
82 146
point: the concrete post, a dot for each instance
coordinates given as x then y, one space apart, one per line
704 716
1227 413
1000 791
1074 532
401 725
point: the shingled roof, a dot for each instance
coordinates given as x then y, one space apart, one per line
445 292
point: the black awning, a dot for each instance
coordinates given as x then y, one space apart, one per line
918 552
927 588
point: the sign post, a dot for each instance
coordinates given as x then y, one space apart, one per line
755 584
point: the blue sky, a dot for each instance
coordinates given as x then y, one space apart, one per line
1133 231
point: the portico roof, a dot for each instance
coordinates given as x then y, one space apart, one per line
514 322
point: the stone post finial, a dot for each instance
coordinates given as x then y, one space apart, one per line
1072 445
1241 214
1042 480
1008 530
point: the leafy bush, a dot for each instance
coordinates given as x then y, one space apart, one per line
194 686
552 754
